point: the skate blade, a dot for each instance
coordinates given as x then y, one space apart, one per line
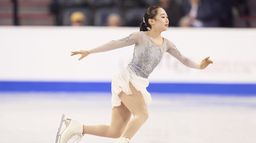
59 129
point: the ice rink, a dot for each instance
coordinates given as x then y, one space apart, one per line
34 117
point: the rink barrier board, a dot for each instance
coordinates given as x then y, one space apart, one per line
105 87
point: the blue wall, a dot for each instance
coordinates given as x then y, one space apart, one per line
182 88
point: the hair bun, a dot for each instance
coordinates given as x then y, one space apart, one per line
143 26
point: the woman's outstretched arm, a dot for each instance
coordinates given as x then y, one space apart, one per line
115 44
186 61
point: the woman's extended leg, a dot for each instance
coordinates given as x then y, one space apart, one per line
136 105
120 117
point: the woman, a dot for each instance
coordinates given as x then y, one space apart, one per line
129 94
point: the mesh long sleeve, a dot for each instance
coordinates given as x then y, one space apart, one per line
115 44
171 49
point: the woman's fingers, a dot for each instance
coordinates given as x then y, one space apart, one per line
207 59
81 53
205 62
74 53
210 61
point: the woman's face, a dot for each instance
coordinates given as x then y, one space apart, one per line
160 21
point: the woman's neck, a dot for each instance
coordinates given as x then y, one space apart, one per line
153 33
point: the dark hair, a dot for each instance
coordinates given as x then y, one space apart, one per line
149 14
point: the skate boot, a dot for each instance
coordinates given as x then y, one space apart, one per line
69 131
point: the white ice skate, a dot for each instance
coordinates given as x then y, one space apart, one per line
71 133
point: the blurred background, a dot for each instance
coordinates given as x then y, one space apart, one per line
40 81
208 13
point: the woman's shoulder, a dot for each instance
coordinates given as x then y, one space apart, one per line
169 43
136 35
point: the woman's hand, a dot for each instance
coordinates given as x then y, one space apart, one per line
205 62
82 54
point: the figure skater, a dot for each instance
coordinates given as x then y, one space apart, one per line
129 94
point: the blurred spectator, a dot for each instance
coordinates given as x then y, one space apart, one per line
252 12
133 16
191 14
114 20
54 8
77 18
242 13
201 13
186 13
15 8
173 9
225 12
102 15
134 3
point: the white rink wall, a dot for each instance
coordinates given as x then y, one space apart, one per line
43 54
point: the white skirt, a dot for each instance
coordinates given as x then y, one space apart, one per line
120 82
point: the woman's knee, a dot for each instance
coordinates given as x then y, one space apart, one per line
116 133
142 116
